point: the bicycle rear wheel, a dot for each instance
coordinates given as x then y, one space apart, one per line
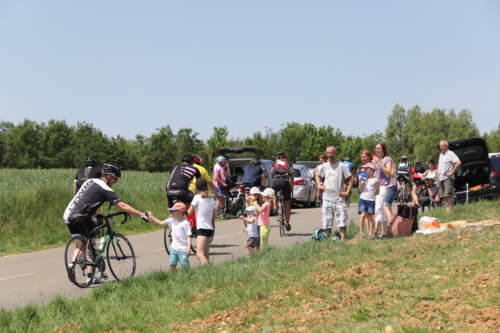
401 194
281 218
78 274
193 240
167 238
195 237
121 257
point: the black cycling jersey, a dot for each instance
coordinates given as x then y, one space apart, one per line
91 196
86 173
181 176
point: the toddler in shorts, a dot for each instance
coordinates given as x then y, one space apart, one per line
369 187
251 230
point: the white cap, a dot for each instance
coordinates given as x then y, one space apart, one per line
252 209
269 192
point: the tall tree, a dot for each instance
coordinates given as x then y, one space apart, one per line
395 136
159 151
87 141
55 152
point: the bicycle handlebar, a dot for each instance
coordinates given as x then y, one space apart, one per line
112 214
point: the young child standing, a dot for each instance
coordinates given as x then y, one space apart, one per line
264 211
181 234
251 230
206 211
369 187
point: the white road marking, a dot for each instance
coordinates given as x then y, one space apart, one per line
162 249
13 277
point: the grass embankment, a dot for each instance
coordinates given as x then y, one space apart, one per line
33 202
440 282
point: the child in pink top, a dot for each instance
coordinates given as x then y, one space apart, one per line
264 211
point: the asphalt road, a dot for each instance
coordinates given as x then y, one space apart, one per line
37 277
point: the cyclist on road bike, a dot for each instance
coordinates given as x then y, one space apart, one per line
180 179
283 178
221 174
403 173
204 175
253 175
91 196
89 171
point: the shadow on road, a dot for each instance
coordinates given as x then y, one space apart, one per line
223 245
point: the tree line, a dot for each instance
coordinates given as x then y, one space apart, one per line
56 144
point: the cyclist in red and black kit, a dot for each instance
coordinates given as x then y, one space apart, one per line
180 178
89 171
282 173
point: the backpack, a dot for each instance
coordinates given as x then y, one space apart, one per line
419 169
281 167
319 234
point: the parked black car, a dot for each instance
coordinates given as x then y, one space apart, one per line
479 175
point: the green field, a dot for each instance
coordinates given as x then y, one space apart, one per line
33 201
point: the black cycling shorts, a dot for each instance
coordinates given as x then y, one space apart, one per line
205 232
284 186
179 195
79 228
403 177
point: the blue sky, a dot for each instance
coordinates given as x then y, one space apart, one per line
129 67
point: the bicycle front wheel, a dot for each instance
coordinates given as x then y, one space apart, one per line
167 238
348 200
73 254
121 257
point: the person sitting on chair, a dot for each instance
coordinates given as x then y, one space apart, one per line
425 193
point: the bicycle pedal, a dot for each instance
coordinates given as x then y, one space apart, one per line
104 276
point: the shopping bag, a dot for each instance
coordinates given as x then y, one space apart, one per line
401 226
409 212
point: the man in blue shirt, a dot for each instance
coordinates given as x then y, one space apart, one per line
253 175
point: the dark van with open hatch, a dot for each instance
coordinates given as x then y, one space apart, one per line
478 177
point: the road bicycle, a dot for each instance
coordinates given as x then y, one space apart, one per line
401 196
116 248
167 233
280 210
239 203
225 205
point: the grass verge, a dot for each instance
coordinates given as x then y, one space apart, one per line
440 282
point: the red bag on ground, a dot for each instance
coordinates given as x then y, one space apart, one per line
401 226
405 221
